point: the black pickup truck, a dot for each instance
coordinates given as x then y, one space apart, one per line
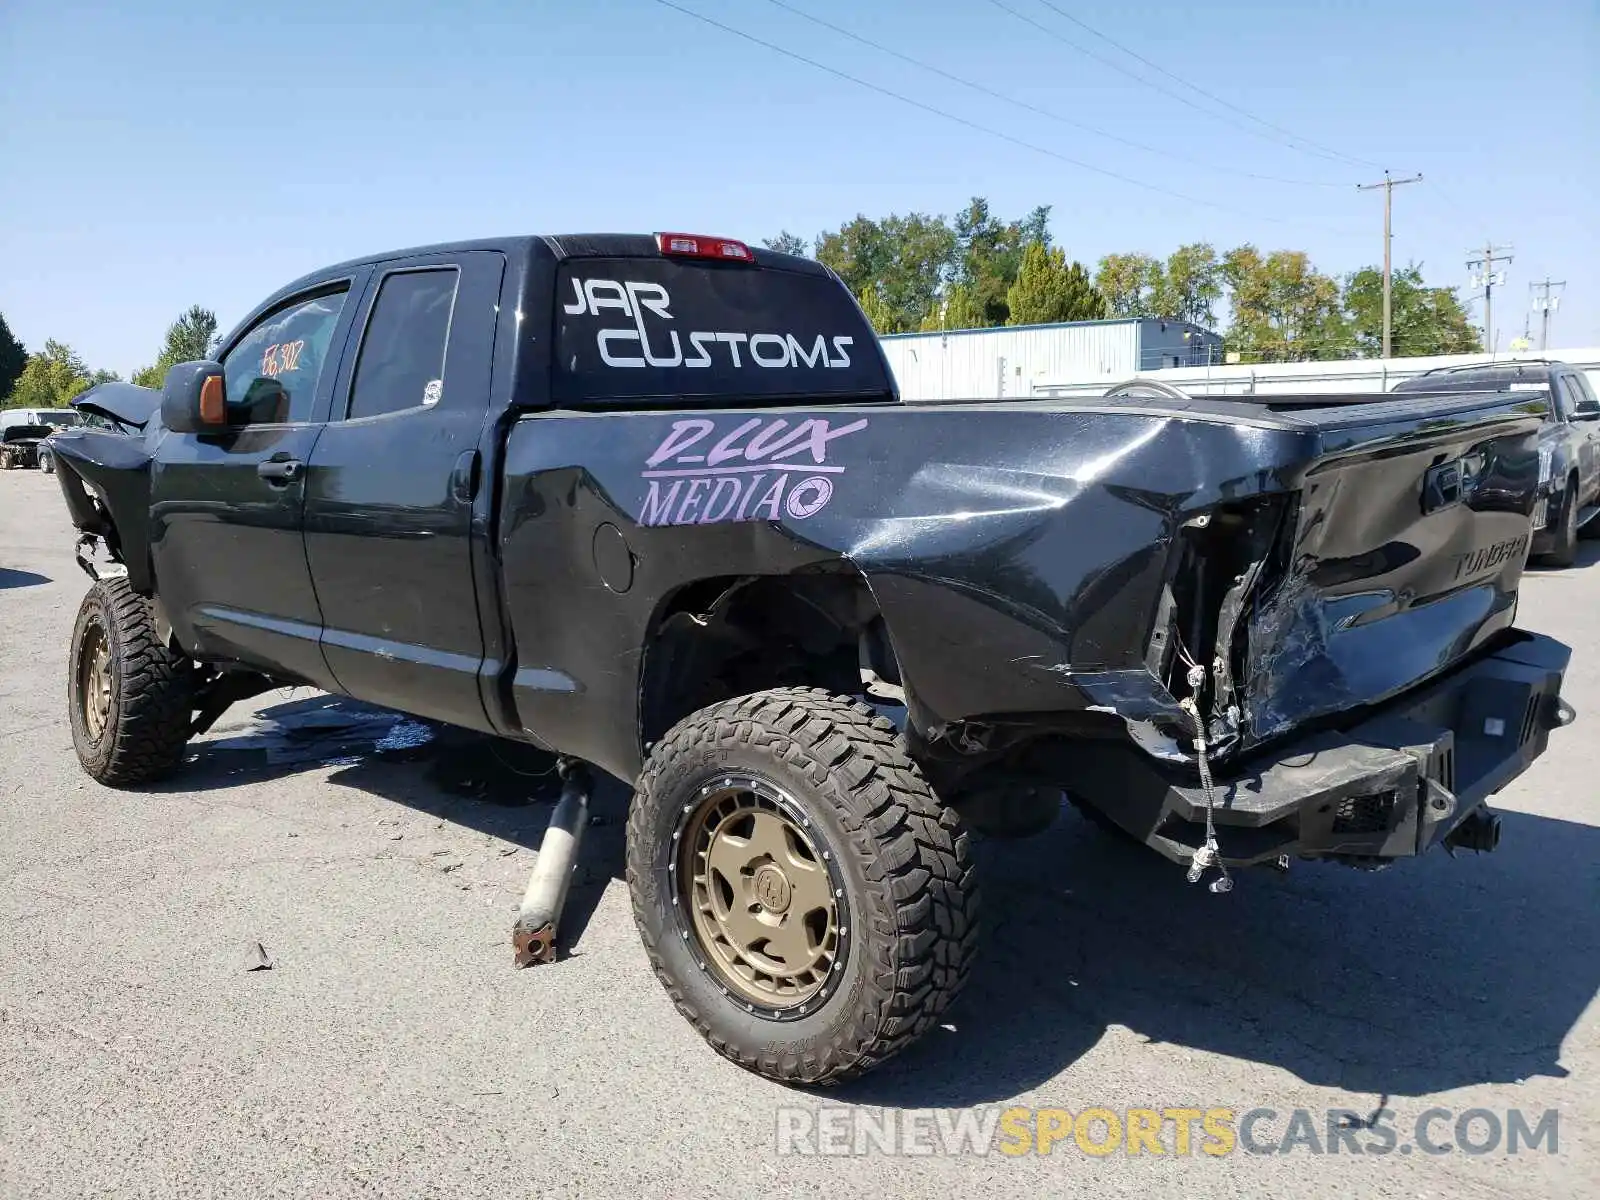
653 503
1569 442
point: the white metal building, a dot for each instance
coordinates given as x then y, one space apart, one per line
1016 360
1354 375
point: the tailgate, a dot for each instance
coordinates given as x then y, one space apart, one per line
1404 556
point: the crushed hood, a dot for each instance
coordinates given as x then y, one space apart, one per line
125 402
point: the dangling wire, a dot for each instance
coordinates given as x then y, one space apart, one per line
1209 854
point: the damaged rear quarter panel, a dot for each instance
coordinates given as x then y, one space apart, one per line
1016 552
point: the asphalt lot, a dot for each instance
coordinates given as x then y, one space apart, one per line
393 1050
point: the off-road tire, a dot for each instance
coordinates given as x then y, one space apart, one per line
910 895
1563 551
151 693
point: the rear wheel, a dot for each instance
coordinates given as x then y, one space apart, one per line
803 895
1564 550
129 697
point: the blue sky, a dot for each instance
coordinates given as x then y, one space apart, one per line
173 152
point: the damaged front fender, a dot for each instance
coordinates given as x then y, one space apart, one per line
105 481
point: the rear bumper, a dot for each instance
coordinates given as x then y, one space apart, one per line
1393 785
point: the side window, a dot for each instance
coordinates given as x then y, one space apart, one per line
1585 393
401 364
272 372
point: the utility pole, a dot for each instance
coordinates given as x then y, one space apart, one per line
1545 305
1487 280
1388 185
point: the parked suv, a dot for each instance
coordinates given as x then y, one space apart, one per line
1569 443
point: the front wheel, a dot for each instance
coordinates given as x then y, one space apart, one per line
130 698
803 896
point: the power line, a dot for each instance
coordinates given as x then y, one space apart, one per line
1033 108
1213 97
963 121
1388 185
1299 144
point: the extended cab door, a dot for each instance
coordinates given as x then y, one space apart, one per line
391 483
226 545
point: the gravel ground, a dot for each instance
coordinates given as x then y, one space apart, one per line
393 1050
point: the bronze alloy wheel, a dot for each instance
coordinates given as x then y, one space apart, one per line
94 680
805 897
130 695
763 898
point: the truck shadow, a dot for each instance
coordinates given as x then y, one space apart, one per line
1437 974
10 577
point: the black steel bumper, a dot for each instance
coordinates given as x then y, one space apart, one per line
1392 785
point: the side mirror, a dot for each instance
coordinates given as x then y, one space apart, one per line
1587 410
194 398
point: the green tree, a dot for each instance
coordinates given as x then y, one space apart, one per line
1129 283
901 261
1284 310
52 377
1049 289
192 336
988 254
1425 320
13 358
789 243
879 314
956 309
1186 287
1189 286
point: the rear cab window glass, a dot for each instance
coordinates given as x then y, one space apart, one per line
642 329
401 363
271 373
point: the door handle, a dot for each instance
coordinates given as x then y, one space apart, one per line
280 472
464 479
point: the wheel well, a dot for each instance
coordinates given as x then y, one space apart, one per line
733 635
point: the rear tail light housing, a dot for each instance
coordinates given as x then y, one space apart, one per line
697 245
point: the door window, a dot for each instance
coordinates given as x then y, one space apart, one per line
272 372
402 352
